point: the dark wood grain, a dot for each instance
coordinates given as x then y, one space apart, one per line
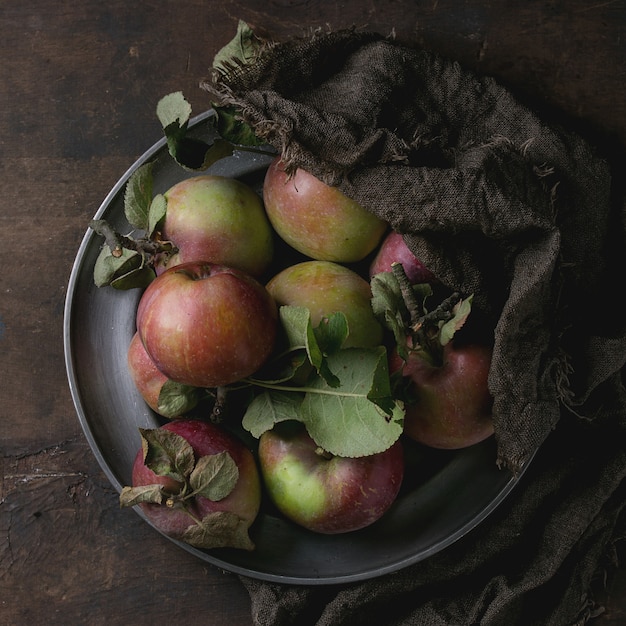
79 83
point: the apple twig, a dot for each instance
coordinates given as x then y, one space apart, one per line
117 242
413 306
442 313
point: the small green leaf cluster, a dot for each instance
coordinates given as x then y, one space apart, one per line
402 308
127 262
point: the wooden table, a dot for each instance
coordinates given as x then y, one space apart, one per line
79 85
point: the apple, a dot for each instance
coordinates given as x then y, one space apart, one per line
324 493
318 220
216 219
451 407
175 515
150 381
393 249
207 325
325 287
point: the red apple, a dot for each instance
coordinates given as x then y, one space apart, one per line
394 249
325 287
207 325
323 493
243 501
217 219
452 404
318 220
149 381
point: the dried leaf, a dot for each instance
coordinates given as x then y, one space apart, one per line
167 453
214 476
130 496
221 529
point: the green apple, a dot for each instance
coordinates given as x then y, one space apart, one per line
318 220
325 493
218 220
324 288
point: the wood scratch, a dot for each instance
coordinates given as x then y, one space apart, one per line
36 466
596 6
37 475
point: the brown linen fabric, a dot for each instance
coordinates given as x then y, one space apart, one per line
521 212
495 201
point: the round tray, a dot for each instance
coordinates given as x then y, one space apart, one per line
445 494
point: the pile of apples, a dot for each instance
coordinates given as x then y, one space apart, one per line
210 319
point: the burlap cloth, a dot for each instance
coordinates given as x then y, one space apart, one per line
528 217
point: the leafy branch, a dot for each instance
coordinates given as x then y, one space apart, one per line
402 308
342 395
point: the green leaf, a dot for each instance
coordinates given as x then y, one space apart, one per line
380 392
130 496
221 529
156 214
331 332
270 408
214 476
296 322
138 278
196 155
390 309
108 267
242 49
173 110
231 127
461 312
138 196
344 420
191 154
287 367
219 149
167 453
176 399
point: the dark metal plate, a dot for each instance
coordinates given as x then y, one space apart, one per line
445 495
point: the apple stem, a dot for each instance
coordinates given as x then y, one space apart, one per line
219 406
319 451
424 329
